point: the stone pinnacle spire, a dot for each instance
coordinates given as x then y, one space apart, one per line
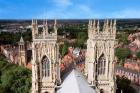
104 26
93 26
45 28
55 26
98 26
110 26
90 28
114 26
21 40
107 25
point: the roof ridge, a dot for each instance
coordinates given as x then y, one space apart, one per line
76 82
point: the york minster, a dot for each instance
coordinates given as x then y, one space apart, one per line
69 46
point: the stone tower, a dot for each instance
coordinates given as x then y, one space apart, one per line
99 65
22 53
45 61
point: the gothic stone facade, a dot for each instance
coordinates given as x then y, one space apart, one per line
22 53
45 63
99 65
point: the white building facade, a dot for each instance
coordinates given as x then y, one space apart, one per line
99 64
45 61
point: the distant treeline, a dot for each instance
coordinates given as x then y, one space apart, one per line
13 38
67 30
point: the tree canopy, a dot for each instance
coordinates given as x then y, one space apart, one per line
122 53
64 49
123 84
138 54
13 38
123 38
14 79
81 39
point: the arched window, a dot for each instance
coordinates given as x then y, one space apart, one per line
45 66
101 91
46 92
101 65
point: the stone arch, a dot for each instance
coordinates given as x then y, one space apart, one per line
45 63
101 91
46 92
101 65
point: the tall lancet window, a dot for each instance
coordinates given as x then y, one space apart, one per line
45 66
101 65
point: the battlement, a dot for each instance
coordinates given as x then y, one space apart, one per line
45 35
108 30
104 37
49 36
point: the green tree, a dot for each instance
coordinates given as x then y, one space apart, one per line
0 78
123 38
138 54
60 49
27 35
124 84
14 79
64 49
122 53
13 38
81 39
130 31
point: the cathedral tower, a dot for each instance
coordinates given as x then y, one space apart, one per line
45 61
22 53
99 65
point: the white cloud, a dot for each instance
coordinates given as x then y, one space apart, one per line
126 13
84 8
78 11
62 2
84 11
69 9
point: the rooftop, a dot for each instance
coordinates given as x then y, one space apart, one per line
75 83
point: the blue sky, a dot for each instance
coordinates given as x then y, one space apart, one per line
69 9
